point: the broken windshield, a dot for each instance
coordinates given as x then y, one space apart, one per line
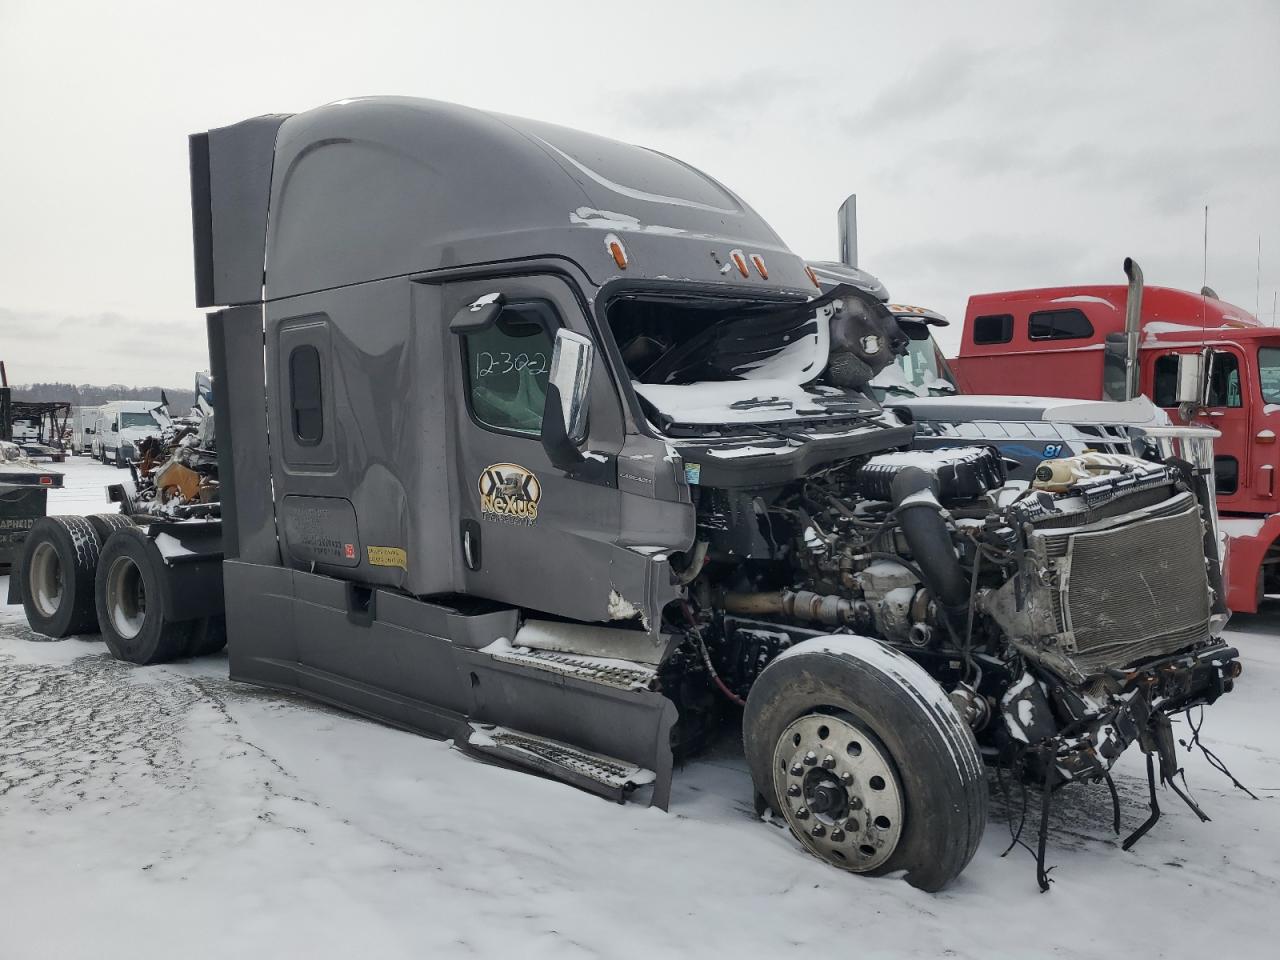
702 363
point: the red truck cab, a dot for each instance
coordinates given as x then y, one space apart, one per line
1053 342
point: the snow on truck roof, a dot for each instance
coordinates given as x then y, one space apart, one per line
380 187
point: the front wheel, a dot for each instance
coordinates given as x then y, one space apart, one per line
861 752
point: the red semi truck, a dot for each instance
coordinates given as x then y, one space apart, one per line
1203 360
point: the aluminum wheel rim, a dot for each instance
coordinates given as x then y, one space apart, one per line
126 597
46 579
839 791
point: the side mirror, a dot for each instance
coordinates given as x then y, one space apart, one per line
478 315
1191 379
115 427
571 376
564 418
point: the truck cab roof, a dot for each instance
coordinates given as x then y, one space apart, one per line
1087 314
428 186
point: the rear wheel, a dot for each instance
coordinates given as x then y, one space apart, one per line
861 752
132 604
104 524
59 560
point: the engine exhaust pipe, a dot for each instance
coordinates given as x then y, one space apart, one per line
1132 327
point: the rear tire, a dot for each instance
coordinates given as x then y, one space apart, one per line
908 758
59 560
105 524
132 602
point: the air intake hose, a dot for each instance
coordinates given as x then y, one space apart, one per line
915 499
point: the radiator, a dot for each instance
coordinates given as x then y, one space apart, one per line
1131 588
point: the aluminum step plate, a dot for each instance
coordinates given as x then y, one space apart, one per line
623 674
558 759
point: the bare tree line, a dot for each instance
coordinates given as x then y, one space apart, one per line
94 395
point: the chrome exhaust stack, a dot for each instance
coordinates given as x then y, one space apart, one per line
1132 327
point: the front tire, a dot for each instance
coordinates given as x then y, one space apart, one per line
59 560
861 752
133 613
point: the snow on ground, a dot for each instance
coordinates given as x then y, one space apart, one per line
149 812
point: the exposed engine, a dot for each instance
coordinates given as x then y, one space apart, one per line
1064 622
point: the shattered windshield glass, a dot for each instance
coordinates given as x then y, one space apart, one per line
711 360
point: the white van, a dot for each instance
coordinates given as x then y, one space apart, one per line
121 426
83 429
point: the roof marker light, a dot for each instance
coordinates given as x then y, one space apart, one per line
616 250
758 262
813 277
739 261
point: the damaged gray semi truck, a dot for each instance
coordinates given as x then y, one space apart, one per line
548 444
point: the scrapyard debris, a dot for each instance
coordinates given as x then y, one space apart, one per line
176 474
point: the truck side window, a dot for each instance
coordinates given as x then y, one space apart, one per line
1224 380
508 365
993 329
1164 388
307 413
1059 325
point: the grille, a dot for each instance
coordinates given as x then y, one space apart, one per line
1135 590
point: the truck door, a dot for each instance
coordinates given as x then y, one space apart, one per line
527 534
1224 409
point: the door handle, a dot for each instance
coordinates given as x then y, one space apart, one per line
471 544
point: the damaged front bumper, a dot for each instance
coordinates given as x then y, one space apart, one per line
1080 736
1063 735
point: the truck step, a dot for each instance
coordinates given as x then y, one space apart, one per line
623 674
606 776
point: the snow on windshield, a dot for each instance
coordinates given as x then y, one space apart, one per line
709 364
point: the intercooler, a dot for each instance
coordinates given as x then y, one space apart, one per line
1130 587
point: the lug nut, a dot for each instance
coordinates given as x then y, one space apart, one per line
802 813
846 778
818 830
855 803
851 825
793 790
828 762
810 759
837 835
796 770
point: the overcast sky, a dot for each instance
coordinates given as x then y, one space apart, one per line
991 145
